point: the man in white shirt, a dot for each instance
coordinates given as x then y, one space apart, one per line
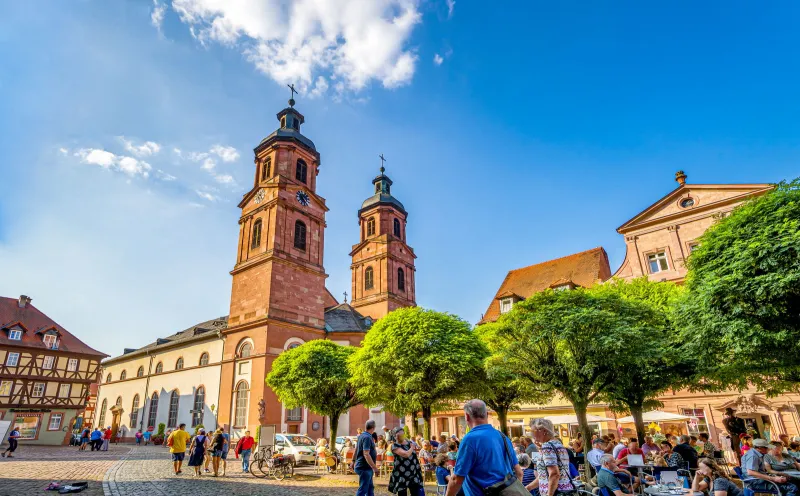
597 451
619 447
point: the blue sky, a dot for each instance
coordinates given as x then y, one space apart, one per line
513 135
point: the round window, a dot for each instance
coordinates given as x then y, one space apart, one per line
315 426
687 202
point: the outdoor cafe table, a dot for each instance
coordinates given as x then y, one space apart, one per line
665 491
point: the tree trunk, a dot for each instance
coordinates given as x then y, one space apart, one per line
502 416
414 424
334 420
580 412
426 415
636 413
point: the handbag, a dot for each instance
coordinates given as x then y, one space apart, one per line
510 485
569 475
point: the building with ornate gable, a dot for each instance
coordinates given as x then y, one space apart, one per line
46 373
278 301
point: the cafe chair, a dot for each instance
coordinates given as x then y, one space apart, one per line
747 481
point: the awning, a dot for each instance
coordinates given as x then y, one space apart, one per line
573 419
655 416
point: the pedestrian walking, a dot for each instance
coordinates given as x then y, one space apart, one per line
225 449
84 439
106 438
146 436
138 437
177 446
197 451
244 448
364 461
486 461
96 439
407 473
12 443
217 445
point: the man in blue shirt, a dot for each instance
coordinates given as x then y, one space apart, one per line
364 460
97 439
485 456
753 467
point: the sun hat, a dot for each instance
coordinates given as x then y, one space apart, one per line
760 443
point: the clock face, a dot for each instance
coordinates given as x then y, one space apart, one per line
259 196
302 198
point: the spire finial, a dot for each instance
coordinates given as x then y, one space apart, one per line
680 176
383 169
291 100
345 296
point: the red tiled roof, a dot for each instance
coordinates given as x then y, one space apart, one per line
583 269
33 319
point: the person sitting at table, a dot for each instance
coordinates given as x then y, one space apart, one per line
649 446
619 447
674 460
708 446
746 440
685 449
753 467
777 462
607 477
632 449
794 450
597 452
709 474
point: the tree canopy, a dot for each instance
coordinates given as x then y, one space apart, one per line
315 375
417 360
577 342
741 314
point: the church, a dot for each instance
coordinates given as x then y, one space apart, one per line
213 373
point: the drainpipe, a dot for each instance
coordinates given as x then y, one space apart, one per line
146 391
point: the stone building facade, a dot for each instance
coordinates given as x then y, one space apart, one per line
46 373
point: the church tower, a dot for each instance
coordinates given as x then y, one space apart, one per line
278 293
383 273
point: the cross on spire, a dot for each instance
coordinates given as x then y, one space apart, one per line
345 296
291 100
382 162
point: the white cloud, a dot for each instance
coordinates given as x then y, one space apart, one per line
205 195
320 88
224 179
209 164
157 16
164 176
296 41
63 151
107 160
144 150
226 153
451 7
438 59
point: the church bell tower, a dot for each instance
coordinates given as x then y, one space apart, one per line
383 272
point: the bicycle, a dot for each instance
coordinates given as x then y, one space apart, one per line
267 463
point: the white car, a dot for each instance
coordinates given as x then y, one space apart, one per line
297 447
340 442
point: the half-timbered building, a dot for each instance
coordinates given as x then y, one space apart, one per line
45 373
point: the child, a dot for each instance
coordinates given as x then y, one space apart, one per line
452 451
442 472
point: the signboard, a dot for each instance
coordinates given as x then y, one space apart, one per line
28 426
267 436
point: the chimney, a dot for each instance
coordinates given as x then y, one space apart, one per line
680 177
23 301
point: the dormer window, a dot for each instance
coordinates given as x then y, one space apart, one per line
50 341
506 304
562 287
15 334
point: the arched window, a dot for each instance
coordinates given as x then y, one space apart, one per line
292 343
140 372
301 172
401 280
299 235
179 363
172 417
256 238
397 228
371 226
134 411
151 417
245 350
159 368
118 403
369 281
204 358
108 378
123 375
266 169
283 121
241 404
199 405
296 124
101 420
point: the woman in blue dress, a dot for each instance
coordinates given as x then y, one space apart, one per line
197 451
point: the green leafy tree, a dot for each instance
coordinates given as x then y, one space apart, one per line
417 360
505 390
315 375
660 364
576 342
740 313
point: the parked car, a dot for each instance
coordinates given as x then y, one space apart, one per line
299 448
340 442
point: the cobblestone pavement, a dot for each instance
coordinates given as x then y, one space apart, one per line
126 470
34 467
